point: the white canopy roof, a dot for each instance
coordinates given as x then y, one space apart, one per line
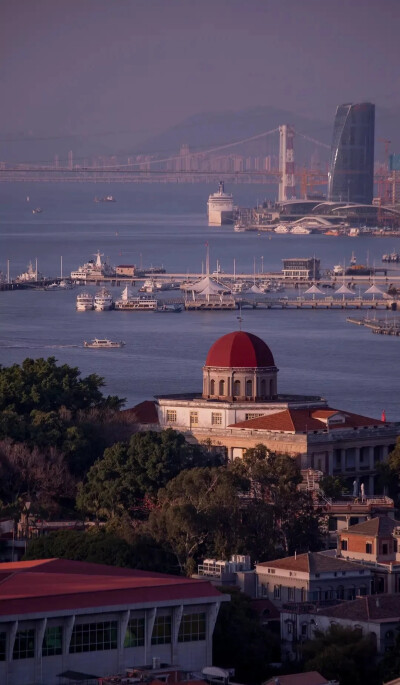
208 286
255 289
374 290
314 290
343 290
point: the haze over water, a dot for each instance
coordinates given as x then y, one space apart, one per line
317 352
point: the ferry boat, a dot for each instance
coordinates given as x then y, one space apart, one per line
354 232
220 207
30 275
93 269
130 303
103 344
281 228
148 286
103 300
392 257
338 270
84 302
37 210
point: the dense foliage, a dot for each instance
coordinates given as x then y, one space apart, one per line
342 654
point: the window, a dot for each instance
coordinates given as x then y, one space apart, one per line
216 419
343 545
3 644
93 637
384 548
368 548
192 628
304 629
252 416
134 636
262 388
212 387
161 631
249 388
222 387
52 641
24 645
171 415
194 418
277 591
290 594
290 627
236 388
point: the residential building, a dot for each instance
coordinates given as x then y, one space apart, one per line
311 577
58 615
351 173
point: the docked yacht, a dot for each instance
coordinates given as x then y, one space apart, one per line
93 269
281 228
301 230
103 344
84 302
130 303
220 207
103 300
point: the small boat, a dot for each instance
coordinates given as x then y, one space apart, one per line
37 210
333 232
106 198
84 302
168 308
103 343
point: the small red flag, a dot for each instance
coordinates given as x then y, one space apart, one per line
383 417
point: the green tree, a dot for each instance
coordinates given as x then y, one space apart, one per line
342 654
130 471
333 486
102 546
241 642
198 512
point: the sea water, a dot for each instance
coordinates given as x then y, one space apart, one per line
317 352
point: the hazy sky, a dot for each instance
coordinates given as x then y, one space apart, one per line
100 66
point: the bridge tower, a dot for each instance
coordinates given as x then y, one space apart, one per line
287 187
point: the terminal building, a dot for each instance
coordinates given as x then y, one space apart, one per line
240 406
60 617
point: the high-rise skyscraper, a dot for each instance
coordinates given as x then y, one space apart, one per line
351 172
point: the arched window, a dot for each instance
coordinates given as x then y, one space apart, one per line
236 388
271 388
212 387
340 592
221 388
262 387
249 388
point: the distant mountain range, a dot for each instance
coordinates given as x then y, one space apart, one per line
203 131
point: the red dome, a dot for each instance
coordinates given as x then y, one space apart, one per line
239 349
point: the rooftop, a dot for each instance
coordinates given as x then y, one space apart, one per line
369 608
308 420
45 585
313 562
377 526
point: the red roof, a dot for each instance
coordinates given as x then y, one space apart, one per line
239 349
144 412
308 678
306 421
59 584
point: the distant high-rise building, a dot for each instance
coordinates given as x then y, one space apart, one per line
351 173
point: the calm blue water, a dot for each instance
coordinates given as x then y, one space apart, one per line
317 352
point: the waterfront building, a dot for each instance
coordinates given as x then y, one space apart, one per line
351 173
241 407
301 269
58 616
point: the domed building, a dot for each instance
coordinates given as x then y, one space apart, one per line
240 406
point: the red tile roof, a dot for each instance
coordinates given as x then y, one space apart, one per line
144 412
239 350
369 608
377 526
313 562
58 584
306 421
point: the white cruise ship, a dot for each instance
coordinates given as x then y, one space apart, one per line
128 302
93 268
220 207
84 302
103 300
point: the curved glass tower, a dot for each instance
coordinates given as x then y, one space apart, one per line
351 172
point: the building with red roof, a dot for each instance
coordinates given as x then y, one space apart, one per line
240 406
58 615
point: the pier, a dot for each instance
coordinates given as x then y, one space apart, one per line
378 326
